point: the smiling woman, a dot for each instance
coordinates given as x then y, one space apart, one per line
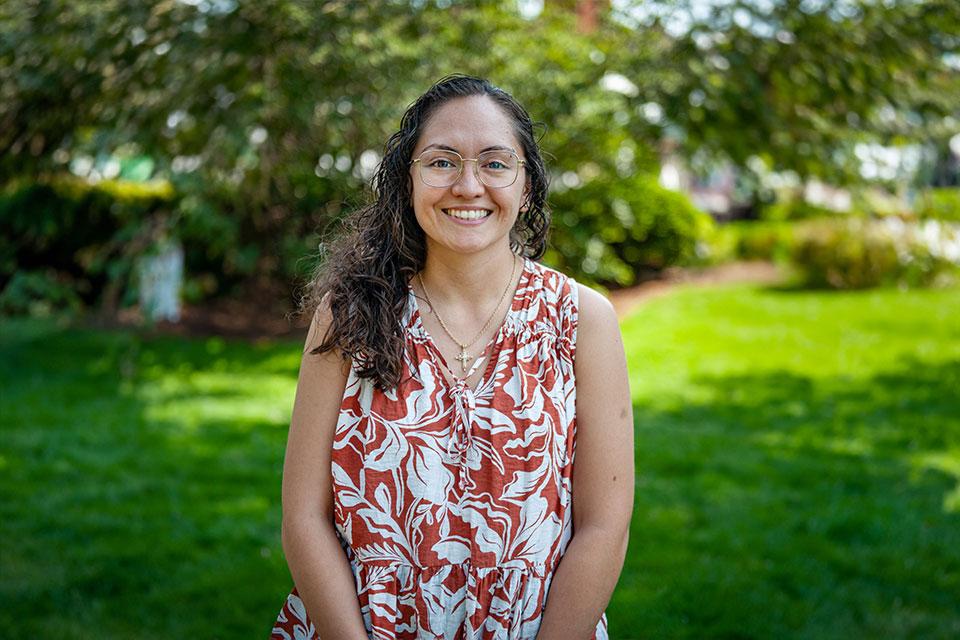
422 499
447 198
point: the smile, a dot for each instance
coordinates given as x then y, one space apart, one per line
467 214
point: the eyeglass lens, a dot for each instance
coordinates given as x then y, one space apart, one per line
496 169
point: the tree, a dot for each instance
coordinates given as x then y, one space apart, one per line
799 82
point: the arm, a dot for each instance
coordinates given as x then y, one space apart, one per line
603 478
317 563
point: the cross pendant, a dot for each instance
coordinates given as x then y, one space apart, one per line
463 358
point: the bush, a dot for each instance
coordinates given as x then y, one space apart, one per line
858 253
91 234
720 245
748 240
68 234
608 232
765 240
795 209
40 293
939 204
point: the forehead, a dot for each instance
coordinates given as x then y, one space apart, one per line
468 125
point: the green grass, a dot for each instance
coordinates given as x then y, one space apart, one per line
798 473
141 485
798 466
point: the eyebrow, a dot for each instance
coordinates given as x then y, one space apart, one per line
449 148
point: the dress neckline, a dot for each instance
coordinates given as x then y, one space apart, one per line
491 358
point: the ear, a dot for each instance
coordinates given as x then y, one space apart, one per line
524 198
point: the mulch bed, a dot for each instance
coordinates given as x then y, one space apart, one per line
758 271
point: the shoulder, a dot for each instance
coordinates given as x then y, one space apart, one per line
599 343
331 359
320 324
584 314
596 313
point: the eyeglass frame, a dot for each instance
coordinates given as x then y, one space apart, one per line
476 167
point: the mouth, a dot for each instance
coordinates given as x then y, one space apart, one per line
467 213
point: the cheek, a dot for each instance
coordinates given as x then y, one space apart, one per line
514 199
418 198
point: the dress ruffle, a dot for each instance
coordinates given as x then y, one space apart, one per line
440 602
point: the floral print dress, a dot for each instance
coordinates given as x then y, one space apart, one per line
453 505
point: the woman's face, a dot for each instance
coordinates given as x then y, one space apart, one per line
468 126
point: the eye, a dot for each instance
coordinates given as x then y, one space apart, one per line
441 163
498 164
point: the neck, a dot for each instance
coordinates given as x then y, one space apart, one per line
469 279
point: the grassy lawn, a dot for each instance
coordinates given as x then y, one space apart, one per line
798 474
798 466
141 485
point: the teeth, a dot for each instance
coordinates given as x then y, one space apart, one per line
467 214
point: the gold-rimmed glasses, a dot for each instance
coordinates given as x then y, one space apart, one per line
497 168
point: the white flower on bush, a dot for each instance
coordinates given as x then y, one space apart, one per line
898 232
942 239
938 239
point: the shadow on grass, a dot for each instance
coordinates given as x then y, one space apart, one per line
788 507
118 524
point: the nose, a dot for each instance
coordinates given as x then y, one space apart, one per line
468 184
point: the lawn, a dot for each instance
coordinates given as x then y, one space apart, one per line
798 473
798 466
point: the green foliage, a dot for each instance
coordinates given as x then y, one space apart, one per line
750 240
796 209
843 258
720 245
800 83
939 204
88 236
764 241
878 203
858 253
609 231
40 293
75 235
269 117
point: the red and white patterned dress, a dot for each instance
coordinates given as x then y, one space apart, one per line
453 505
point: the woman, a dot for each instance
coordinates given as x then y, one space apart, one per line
429 486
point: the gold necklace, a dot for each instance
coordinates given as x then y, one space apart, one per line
464 357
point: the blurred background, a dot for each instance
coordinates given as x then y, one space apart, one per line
784 175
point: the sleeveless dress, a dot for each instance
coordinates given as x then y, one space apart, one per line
452 504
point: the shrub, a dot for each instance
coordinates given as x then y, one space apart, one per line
748 240
65 233
40 293
720 245
608 232
795 208
858 253
939 204
765 241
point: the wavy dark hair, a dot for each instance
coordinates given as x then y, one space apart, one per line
363 277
